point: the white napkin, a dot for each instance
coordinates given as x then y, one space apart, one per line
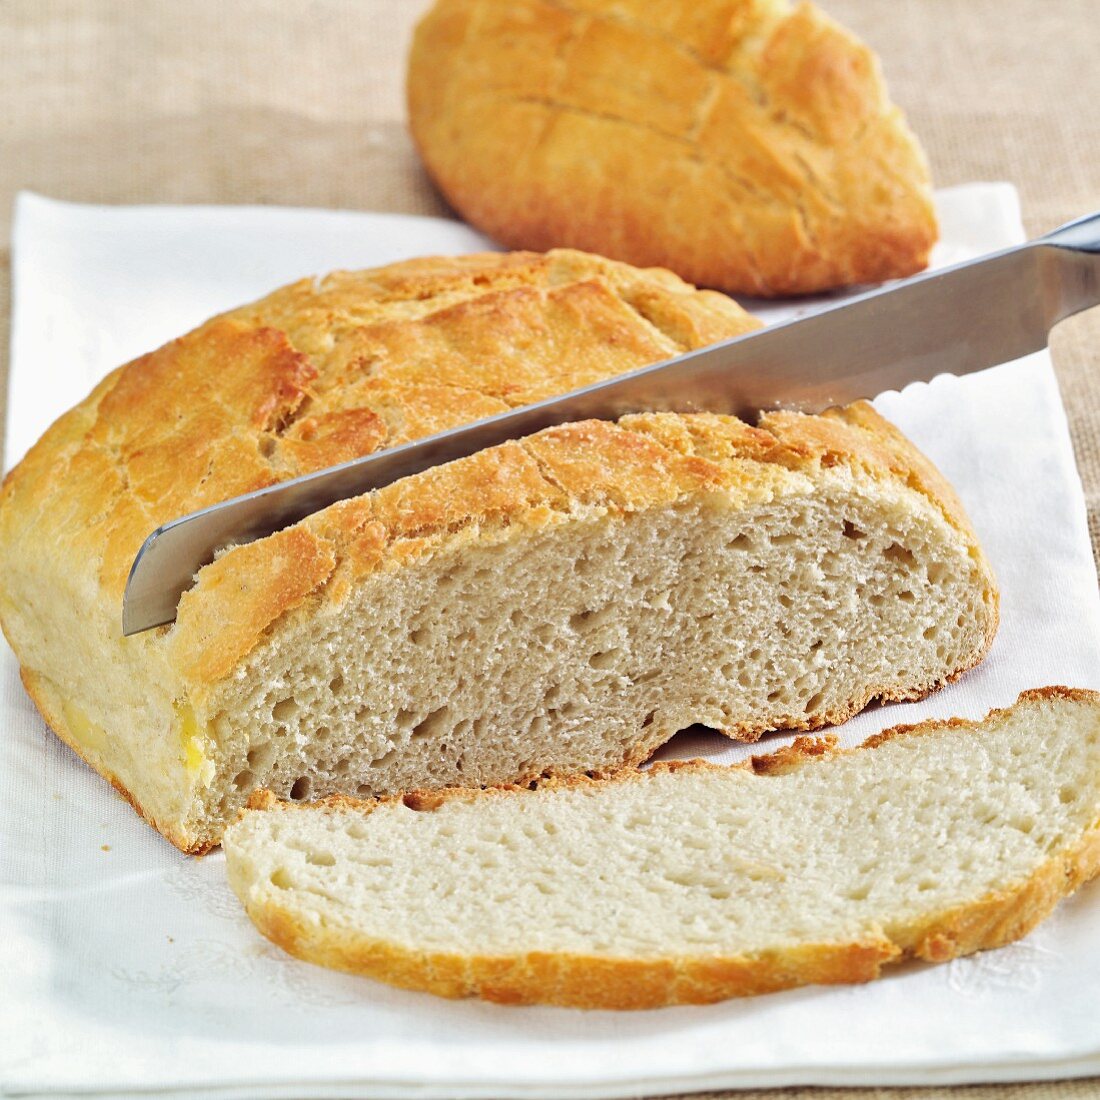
128 968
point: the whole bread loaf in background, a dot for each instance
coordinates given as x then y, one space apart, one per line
689 883
748 145
560 604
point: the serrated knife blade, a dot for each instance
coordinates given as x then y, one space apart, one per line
955 320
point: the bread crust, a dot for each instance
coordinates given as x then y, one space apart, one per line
49 706
322 371
747 145
581 981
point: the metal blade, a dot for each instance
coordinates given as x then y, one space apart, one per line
955 320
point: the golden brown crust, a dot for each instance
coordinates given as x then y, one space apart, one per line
328 370
745 144
574 980
579 981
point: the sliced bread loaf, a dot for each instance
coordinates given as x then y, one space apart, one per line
692 882
561 604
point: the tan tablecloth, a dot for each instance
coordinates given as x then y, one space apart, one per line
283 101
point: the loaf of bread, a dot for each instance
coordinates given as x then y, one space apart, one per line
748 145
561 604
690 882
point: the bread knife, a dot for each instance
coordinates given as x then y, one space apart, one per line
955 320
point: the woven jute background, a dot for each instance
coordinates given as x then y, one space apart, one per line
284 101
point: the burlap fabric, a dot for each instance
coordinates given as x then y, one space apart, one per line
280 101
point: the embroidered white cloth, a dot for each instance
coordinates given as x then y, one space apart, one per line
128 969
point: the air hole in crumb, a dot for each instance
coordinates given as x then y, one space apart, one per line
280 878
244 781
815 701
284 710
606 659
434 723
301 788
647 721
419 636
742 542
259 756
583 566
321 859
336 684
897 553
851 531
266 446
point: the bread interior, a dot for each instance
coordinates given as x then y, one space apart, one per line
586 644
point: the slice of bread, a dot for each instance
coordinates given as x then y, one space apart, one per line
748 145
559 604
692 882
